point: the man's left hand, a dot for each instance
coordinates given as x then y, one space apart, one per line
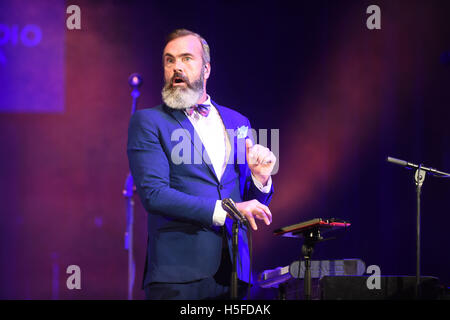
261 161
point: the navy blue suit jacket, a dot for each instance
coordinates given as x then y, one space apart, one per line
183 244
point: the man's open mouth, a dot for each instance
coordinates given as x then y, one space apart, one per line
178 81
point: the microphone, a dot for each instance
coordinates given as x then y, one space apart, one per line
135 80
400 162
230 207
410 165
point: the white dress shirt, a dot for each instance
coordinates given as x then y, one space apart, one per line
212 133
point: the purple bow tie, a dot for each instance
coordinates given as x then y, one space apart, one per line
202 109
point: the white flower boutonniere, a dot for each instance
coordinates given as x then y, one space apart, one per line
242 132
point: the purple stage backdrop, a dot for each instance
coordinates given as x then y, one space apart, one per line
342 96
32 56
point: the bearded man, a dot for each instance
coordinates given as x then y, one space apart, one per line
189 233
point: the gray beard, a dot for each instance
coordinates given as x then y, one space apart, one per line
182 98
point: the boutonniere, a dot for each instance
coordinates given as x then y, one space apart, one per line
242 132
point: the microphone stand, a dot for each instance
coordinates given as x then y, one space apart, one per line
238 218
128 194
419 178
234 279
135 81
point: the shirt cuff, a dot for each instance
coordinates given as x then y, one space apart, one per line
219 214
263 189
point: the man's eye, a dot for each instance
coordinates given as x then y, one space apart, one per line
187 58
169 60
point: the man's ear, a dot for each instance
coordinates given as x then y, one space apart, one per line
207 70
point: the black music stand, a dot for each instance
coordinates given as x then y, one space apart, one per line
311 232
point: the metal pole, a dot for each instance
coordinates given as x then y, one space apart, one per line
135 81
419 177
234 279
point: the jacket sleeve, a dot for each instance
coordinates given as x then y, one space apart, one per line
250 190
150 169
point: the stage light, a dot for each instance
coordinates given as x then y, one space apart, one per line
135 80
